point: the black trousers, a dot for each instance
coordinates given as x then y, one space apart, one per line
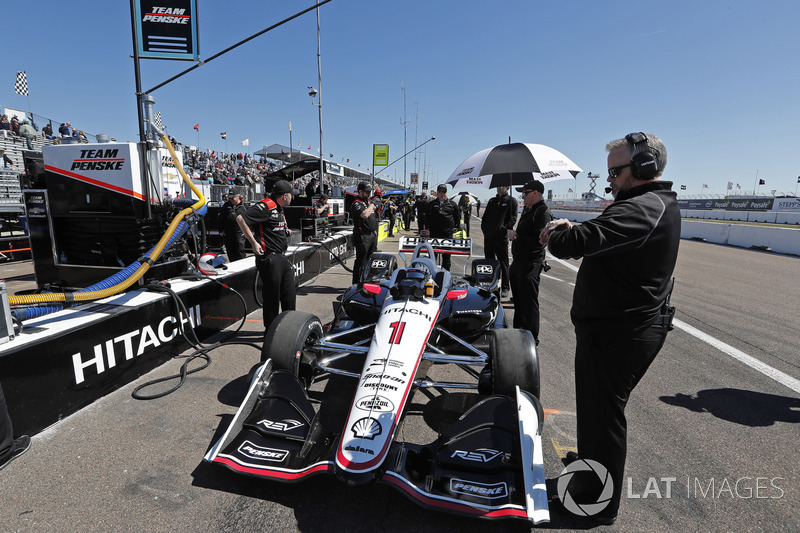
234 245
446 258
497 248
391 225
608 366
365 246
467 217
6 430
525 274
278 291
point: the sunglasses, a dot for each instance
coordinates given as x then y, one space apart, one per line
613 172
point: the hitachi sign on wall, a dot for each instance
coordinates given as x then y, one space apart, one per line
131 344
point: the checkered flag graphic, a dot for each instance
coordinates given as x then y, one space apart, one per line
21 85
157 120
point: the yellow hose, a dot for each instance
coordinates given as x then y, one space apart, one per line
28 299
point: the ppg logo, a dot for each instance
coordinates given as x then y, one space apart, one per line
484 269
379 263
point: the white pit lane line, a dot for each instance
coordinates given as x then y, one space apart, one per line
752 362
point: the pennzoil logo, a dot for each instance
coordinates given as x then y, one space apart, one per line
98 160
377 403
169 15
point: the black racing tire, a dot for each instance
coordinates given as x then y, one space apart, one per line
288 342
515 361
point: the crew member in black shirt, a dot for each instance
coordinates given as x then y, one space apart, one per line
365 229
444 217
269 243
421 206
529 256
499 216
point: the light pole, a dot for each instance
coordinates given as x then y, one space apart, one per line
312 93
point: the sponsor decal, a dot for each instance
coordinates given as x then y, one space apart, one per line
392 363
366 428
481 455
168 15
98 160
409 310
379 263
465 171
283 425
265 454
381 386
380 404
473 488
299 269
358 449
336 251
386 377
484 269
549 175
133 344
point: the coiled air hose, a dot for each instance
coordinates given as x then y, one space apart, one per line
126 277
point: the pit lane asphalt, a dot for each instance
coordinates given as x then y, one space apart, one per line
726 433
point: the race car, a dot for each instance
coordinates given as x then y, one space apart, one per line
372 357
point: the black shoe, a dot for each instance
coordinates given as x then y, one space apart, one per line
21 445
570 458
504 293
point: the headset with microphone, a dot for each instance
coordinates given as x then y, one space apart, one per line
644 162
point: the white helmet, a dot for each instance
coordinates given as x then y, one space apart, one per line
208 263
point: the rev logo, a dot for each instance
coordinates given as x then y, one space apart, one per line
481 455
283 425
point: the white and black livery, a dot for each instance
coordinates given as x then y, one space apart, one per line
387 330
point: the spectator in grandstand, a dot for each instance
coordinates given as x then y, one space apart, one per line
64 130
15 124
7 163
5 126
27 131
47 132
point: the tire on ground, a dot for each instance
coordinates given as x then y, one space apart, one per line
287 343
514 361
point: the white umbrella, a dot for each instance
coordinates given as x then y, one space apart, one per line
514 164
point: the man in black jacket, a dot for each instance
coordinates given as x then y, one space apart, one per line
620 306
499 216
231 232
529 256
365 229
444 218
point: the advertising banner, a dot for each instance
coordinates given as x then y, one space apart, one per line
380 155
167 29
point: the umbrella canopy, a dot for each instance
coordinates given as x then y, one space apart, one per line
514 164
396 192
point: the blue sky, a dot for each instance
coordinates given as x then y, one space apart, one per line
718 81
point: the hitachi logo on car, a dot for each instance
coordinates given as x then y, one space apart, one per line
105 353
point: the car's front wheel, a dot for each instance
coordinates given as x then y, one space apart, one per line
289 343
514 361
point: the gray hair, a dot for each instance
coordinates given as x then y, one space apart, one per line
653 143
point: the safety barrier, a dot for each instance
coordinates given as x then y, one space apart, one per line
779 240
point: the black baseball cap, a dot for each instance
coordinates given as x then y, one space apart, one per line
364 186
532 185
284 187
441 188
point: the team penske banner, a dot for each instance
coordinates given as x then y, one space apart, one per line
167 29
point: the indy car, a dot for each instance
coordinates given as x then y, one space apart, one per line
386 332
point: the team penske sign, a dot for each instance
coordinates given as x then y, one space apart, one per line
167 29
111 166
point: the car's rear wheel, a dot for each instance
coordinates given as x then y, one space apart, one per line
514 361
289 343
